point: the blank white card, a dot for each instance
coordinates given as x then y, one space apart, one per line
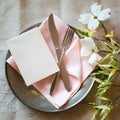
32 56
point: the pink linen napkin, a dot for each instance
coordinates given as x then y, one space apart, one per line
77 66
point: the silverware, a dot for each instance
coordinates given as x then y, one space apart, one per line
63 71
65 45
66 42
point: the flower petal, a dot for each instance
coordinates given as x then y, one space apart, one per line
85 51
95 48
87 41
93 24
85 18
87 46
95 9
104 14
93 59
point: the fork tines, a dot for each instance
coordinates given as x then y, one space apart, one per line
68 37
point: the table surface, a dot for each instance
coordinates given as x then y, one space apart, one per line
15 16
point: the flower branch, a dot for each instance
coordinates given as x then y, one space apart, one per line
106 68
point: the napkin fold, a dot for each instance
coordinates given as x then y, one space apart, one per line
78 67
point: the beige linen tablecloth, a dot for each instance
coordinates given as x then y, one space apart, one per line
15 16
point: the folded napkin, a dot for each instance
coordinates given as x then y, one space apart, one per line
24 49
77 66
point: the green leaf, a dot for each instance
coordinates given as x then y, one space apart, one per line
103 72
106 107
82 33
113 72
104 98
94 117
101 92
116 51
106 57
105 66
106 113
113 62
97 80
108 47
93 104
114 43
104 84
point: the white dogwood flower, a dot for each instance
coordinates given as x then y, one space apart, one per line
93 59
88 46
97 14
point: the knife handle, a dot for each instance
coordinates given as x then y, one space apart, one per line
64 76
62 72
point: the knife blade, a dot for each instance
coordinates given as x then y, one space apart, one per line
55 40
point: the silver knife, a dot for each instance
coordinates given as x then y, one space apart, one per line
63 72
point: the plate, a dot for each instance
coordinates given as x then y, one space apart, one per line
32 98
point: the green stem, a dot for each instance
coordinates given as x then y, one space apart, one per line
104 28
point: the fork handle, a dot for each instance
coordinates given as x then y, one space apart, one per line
55 78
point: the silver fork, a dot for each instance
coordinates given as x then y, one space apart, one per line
66 42
65 45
